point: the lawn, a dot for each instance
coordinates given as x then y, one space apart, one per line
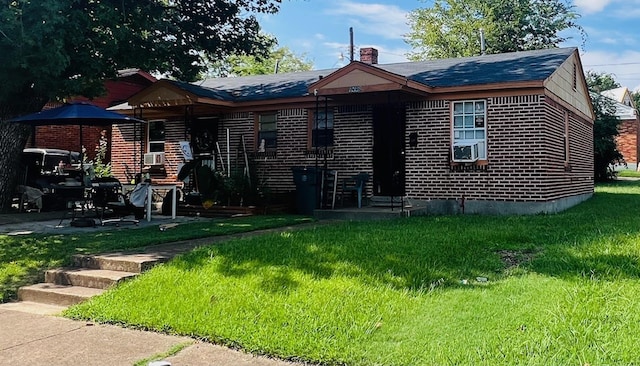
441 290
23 259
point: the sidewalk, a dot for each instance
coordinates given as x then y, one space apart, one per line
33 334
35 340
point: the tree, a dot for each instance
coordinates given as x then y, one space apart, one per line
451 28
53 49
278 59
605 128
599 82
636 100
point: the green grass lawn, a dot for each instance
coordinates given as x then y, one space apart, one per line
443 290
23 259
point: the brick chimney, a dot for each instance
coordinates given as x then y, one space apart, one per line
369 55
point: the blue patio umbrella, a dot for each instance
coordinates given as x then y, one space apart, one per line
76 113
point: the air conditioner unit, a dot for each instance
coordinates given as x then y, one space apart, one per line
154 158
465 151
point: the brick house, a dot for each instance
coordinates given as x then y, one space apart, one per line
67 137
497 134
628 139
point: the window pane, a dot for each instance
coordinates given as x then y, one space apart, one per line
271 117
270 126
457 108
322 137
468 107
468 121
270 139
479 134
469 135
156 131
482 150
323 120
457 122
480 107
457 134
156 146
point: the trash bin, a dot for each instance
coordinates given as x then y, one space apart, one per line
306 180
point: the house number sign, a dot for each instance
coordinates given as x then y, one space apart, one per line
355 89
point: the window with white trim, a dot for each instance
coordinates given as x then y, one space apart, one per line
267 131
155 136
469 125
322 132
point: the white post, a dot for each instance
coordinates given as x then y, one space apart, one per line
228 154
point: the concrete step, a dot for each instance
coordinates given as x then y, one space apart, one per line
61 295
86 277
124 262
389 201
33 307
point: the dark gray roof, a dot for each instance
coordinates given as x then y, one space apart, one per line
466 71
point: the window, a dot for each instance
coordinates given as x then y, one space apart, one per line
267 132
322 132
156 136
470 125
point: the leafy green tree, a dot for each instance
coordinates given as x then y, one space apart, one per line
605 128
599 82
636 100
451 28
277 60
53 49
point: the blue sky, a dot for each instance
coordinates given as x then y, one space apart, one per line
318 30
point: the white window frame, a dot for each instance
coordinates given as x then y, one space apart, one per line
151 144
469 124
262 121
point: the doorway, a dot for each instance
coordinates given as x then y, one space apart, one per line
389 125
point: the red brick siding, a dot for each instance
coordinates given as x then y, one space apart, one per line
68 138
526 160
524 147
627 140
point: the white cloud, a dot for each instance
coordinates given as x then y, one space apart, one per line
624 65
591 6
387 21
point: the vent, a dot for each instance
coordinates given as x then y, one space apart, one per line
154 158
465 151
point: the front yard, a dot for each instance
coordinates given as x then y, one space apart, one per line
442 290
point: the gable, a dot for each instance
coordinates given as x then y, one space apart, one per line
358 77
160 94
569 85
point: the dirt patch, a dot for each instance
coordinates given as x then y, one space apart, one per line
514 258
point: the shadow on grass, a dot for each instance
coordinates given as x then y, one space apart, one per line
598 239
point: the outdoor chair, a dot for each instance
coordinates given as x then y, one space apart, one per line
108 197
355 185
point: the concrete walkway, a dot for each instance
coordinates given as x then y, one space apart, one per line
28 339
34 334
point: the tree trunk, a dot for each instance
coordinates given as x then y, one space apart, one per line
13 137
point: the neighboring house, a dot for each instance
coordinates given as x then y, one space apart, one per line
128 83
498 134
628 139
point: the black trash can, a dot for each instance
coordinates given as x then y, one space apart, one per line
306 180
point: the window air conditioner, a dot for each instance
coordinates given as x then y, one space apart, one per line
154 158
465 151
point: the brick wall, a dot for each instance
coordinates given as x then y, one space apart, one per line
525 154
627 140
67 138
526 151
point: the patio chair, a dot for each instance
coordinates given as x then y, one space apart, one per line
108 196
355 184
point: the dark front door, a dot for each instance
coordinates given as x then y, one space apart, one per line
388 150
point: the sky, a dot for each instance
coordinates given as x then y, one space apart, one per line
318 31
